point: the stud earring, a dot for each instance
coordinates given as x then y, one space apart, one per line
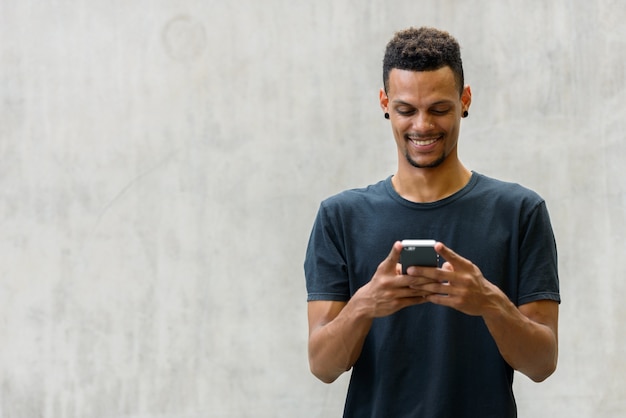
386 115
465 113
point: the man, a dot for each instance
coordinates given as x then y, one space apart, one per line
439 341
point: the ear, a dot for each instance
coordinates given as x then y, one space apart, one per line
466 97
384 100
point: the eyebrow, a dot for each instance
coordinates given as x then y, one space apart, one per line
440 102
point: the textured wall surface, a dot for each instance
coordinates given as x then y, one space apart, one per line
162 162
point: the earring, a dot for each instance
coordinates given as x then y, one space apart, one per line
465 113
386 115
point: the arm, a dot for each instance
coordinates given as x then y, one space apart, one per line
527 337
336 335
337 330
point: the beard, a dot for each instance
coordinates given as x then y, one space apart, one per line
433 164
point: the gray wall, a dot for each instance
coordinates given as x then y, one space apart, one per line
162 162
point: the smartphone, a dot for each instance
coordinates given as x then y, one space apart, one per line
418 252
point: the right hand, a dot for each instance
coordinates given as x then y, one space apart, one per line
389 290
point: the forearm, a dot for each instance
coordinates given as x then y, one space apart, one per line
337 330
528 346
334 347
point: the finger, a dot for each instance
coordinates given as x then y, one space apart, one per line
450 256
421 275
440 299
411 292
393 259
410 301
447 267
436 288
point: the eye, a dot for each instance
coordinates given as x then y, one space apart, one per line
405 112
440 111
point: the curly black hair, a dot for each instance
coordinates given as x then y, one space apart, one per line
423 49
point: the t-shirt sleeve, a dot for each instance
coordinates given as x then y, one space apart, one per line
325 267
538 259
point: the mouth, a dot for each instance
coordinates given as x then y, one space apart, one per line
423 141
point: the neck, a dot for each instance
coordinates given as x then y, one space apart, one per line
423 185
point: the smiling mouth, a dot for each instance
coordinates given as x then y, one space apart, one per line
422 142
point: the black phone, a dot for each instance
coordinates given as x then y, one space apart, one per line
418 252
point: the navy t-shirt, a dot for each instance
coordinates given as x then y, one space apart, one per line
428 360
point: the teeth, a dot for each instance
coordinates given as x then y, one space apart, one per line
423 142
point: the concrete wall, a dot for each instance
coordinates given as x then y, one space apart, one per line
162 162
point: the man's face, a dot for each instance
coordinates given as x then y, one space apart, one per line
425 113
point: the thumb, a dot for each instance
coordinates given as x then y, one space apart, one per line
452 258
394 255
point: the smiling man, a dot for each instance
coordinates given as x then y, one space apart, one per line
439 341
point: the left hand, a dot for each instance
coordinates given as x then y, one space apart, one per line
458 284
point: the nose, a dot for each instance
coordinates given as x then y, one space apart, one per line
423 122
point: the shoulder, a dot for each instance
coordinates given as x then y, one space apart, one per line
357 196
506 190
